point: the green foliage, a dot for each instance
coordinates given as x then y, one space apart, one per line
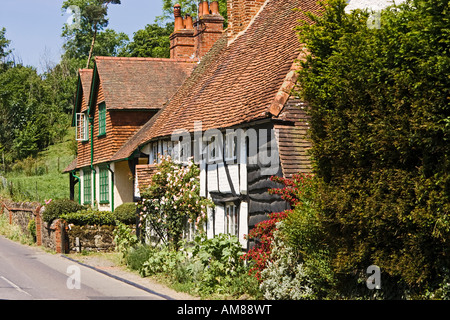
135 256
57 208
124 239
93 21
4 51
152 41
40 178
379 126
14 232
126 212
221 260
162 260
173 199
89 217
32 228
206 266
30 115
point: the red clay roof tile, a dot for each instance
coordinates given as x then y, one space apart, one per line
141 83
237 83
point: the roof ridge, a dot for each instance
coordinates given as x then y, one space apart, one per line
288 84
144 59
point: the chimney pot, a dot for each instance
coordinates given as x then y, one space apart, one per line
188 22
177 10
205 7
214 7
178 18
200 9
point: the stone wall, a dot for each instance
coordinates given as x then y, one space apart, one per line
20 213
90 238
59 236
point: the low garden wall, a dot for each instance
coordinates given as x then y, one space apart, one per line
20 213
59 235
90 238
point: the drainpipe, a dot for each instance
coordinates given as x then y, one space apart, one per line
79 185
91 122
112 187
94 184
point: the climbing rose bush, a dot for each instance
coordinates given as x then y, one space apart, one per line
172 200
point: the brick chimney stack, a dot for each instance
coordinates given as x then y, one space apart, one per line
194 39
208 27
240 13
182 41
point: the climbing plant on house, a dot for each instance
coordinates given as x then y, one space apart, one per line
172 201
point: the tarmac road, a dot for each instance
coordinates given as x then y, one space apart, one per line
29 273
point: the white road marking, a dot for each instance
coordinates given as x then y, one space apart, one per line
15 286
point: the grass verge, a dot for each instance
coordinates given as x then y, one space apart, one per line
13 232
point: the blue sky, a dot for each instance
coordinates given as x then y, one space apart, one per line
34 26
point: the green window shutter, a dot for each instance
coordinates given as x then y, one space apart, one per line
87 186
102 119
104 185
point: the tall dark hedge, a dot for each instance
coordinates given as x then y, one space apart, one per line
380 126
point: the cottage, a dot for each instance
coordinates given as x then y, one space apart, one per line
113 101
235 114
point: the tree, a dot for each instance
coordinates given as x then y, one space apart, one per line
380 130
4 51
152 41
24 122
91 37
96 14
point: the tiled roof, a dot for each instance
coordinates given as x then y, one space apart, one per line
237 83
141 83
144 173
86 79
71 166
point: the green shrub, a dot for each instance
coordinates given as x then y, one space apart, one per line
124 239
90 217
126 213
32 228
379 127
136 256
56 208
221 259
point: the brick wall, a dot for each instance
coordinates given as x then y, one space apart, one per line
240 13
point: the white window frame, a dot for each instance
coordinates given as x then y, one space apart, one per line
230 146
81 126
231 217
154 153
